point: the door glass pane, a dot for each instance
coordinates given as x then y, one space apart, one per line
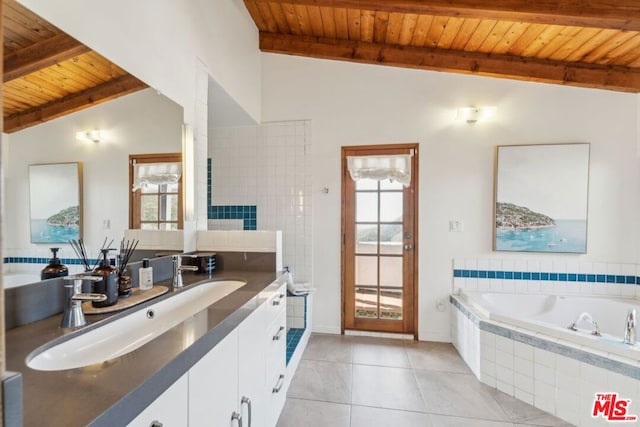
387 184
367 270
391 304
367 302
170 188
391 271
366 207
366 239
149 226
391 207
168 226
391 239
366 184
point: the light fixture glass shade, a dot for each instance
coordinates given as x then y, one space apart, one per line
475 114
95 135
393 167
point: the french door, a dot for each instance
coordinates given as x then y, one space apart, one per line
379 253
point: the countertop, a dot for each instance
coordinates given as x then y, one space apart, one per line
114 392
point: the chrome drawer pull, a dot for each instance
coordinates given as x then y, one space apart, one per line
156 423
277 388
280 297
246 400
237 417
278 335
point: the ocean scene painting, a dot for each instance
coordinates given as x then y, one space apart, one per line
54 198
541 198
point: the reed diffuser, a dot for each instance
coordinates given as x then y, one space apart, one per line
126 252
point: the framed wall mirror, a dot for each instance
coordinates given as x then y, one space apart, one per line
55 202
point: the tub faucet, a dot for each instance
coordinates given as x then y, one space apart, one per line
586 316
178 268
630 327
73 317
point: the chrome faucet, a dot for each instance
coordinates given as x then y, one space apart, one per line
586 316
630 327
73 316
178 268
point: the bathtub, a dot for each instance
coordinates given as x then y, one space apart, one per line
552 314
521 345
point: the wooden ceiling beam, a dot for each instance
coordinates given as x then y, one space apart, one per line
568 73
78 101
613 14
41 55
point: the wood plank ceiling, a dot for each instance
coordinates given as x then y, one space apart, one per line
48 74
588 43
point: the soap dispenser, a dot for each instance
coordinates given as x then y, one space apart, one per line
55 267
109 283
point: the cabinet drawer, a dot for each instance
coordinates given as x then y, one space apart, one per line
277 397
276 304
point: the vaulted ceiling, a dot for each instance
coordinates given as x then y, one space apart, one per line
587 43
48 74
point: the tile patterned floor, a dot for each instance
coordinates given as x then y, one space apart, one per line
347 381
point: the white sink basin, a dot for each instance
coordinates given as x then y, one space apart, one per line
129 332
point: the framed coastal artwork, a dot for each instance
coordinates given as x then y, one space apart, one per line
541 197
55 202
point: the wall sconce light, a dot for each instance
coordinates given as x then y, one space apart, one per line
475 114
95 135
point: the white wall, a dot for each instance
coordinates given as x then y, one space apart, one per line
354 104
143 122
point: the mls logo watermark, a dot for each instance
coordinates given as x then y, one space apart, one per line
612 408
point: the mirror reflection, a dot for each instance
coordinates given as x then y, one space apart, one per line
63 102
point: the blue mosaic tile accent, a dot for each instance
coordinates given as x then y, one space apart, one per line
44 260
554 347
547 276
294 335
247 213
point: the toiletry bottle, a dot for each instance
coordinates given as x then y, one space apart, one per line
55 267
145 276
109 283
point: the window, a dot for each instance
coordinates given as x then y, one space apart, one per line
155 186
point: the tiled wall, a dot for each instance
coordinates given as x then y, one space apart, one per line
268 168
547 276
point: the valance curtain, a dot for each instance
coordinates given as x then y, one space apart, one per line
155 174
392 167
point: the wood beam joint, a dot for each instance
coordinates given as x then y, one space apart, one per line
540 70
41 55
78 101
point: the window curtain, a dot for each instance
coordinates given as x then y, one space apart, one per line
392 167
145 174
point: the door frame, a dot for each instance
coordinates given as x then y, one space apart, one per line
343 255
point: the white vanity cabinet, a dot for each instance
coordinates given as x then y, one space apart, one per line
168 410
239 382
233 385
276 354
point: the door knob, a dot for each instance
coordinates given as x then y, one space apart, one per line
408 247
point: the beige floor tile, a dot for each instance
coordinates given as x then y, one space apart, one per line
364 416
331 348
325 381
460 395
435 356
380 352
385 387
520 412
311 413
448 421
